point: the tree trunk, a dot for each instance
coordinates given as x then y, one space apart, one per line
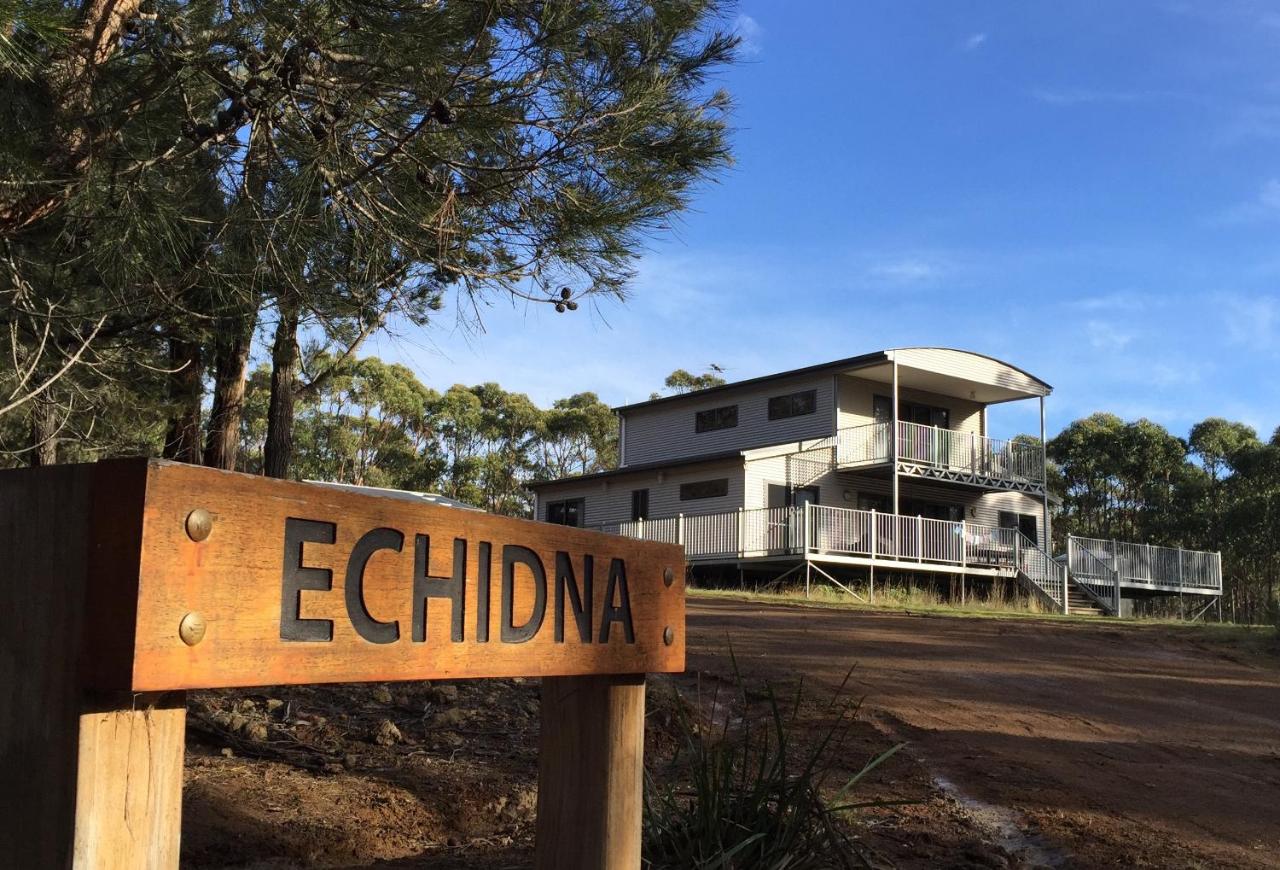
44 428
222 442
284 364
186 390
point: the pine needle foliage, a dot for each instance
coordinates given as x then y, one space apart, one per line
176 173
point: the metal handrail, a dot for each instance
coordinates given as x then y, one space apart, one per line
947 449
1098 579
969 451
1147 564
1048 576
823 529
859 445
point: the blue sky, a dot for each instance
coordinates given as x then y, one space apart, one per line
1089 190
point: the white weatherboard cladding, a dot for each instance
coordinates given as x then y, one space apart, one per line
856 396
666 430
759 474
608 500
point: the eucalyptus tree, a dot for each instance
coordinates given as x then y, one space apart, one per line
314 168
685 381
580 435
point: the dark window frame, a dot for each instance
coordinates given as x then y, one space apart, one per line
715 419
908 411
639 504
561 506
1020 521
690 491
798 404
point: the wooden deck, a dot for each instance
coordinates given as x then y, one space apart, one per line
1105 570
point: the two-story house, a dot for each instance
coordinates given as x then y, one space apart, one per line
879 461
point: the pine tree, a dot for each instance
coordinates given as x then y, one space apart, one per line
316 169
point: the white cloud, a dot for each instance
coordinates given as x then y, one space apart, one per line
1250 123
1088 96
1122 301
751 34
909 270
974 42
1265 205
1105 335
1269 195
1251 320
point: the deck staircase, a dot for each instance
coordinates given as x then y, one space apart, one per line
1080 603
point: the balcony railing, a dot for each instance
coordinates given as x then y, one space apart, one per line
818 530
1144 564
946 449
830 530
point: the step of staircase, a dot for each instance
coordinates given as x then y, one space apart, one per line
1081 604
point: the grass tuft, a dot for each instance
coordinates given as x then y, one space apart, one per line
742 792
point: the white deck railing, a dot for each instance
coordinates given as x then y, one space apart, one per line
1094 576
821 529
941 448
1144 565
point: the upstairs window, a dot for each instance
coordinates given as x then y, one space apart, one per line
639 504
716 418
704 489
910 412
793 405
568 512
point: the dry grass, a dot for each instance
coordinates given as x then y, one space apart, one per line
1251 641
915 599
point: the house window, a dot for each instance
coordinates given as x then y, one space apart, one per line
716 418
910 412
879 503
933 510
780 496
639 504
568 512
1025 523
704 489
793 405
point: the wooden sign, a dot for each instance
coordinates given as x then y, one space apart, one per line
126 582
242 581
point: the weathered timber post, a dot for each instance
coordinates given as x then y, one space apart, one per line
590 773
91 779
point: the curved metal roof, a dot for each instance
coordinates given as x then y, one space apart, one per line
1003 381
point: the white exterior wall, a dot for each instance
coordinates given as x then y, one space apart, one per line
759 474
666 430
856 396
608 500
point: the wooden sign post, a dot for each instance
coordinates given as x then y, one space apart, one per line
127 582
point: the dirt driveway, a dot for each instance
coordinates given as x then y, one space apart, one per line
1111 745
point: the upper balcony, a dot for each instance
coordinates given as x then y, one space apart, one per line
943 454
